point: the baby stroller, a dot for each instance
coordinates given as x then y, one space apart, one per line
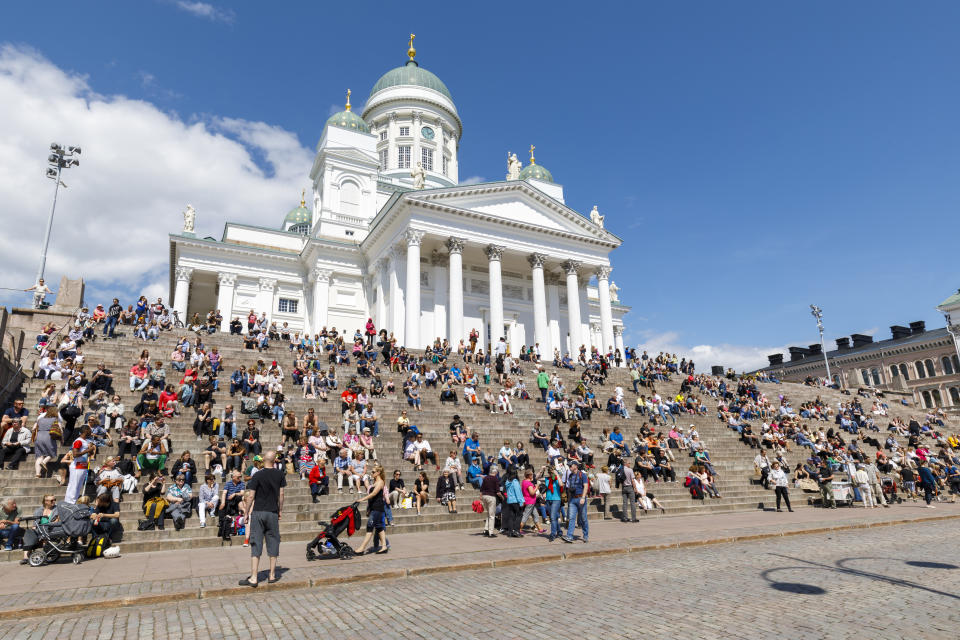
49 541
327 541
889 487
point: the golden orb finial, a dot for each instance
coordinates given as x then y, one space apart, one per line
532 161
348 99
303 195
411 52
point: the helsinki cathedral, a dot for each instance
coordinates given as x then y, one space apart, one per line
390 234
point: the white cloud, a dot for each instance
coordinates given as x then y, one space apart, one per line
207 10
739 357
473 180
139 168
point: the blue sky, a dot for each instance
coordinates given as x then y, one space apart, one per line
755 156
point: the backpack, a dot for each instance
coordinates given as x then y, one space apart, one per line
621 475
97 546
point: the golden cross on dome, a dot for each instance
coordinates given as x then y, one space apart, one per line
411 51
531 154
303 195
348 99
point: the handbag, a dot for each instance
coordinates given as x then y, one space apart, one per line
56 433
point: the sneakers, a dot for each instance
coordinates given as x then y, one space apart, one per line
567 539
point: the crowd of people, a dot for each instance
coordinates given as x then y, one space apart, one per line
229 412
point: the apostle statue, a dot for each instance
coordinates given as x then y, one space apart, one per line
189 217
595 217
418 175
614 289
513 166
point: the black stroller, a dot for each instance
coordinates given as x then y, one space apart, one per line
327 541
51 540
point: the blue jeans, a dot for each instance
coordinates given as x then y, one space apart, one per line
554 507
373 425
578 511
278 413
109 324
233 429
11 534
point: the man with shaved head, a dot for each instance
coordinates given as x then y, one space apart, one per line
263 502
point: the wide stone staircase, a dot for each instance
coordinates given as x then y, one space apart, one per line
733 460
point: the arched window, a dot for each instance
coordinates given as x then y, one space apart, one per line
926 399
930 371
904 371
956 363
935 394
955 396
947 365
875 374
918 365
865 375
350 198
894 372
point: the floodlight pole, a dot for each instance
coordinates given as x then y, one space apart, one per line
817 313
58 160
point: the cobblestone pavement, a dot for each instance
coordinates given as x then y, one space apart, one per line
888 582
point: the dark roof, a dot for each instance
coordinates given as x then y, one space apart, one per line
867 348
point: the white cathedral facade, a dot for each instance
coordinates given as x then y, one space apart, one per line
392 235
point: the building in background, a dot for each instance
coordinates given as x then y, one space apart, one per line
913 359
389 233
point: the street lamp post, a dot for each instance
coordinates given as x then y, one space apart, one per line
817 313
58 160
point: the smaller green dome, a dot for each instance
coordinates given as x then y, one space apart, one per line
297 216
348 120
536 172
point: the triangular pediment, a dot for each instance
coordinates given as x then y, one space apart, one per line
515 203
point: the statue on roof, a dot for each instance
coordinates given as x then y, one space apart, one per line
189 218
595 217
418 175
513 166
614 290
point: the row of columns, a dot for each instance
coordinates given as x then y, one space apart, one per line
227 282
405 313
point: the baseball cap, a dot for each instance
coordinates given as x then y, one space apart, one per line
258 458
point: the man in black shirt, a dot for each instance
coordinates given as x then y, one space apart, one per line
826 485
263 502
113 316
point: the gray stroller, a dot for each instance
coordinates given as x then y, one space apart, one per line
49 541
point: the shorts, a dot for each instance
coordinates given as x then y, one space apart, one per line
910 486
375 521
264 526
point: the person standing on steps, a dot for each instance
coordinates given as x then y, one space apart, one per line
376 508
780 480
826 485
543 383
629 494
762 465
263 504
489 488
927 482
578 487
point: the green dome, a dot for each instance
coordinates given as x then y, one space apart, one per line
348 120
411 74
297 216
536 172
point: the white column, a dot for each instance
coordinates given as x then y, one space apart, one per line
228 283
606 315
494 255
455 248
618 342
440 302
573 306
383 286
540 331
396 295
321 296
595 337
412 337
181 294
265 300
553 317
